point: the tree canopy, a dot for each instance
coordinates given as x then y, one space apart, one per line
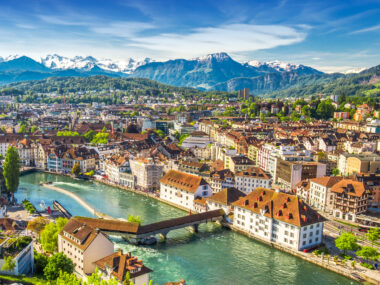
57 263
49 235
11 169
346 241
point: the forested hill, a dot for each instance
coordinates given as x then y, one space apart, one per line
365 83
100 85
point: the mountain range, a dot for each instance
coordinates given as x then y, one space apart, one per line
211 72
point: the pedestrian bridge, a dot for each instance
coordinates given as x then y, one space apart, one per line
136 233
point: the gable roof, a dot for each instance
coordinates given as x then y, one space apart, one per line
182 180
327 181
121 264
82 234
279 206
350 187
226 196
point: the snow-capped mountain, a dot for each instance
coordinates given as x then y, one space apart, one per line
127 66
279 66
220 56
276 65
10 57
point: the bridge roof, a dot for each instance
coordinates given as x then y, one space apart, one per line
111 225
180 221
134 228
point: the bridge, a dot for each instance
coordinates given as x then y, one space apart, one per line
137 234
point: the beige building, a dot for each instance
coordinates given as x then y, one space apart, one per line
147 172
83 245
238 163
363 164
350 199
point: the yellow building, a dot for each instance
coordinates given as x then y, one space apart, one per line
363 164
252 152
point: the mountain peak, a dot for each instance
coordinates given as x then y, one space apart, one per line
219 56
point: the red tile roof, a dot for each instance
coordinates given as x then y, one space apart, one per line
280 206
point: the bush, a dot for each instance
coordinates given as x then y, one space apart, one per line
366 265
316 252
40 262
58 262
29 206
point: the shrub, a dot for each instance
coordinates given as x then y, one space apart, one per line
316 252
366 265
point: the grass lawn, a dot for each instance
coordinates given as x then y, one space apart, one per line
347 224
24 280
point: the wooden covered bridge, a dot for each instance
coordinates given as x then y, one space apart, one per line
136 233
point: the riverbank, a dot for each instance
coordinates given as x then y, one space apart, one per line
343 271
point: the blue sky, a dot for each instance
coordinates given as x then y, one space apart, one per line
329 35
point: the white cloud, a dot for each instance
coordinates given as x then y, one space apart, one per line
346 69
122 29
370 29
229 38
316 58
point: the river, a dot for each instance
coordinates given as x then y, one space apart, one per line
212 256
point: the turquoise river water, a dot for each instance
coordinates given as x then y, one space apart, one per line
212 256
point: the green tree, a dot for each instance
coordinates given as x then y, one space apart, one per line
100 138
57 263
89 136
9 264
134 219
367 252
76 169
346 241
373 234
96 279
34 129
40 262
335 172
160 133
66 278
49 235
11 170
325 110
23 129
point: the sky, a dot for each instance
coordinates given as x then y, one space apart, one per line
332 36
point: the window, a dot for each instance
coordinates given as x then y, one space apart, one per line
286 233
304 235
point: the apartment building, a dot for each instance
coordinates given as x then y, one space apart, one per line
224 199
350 199
289 173
252 178
280 218
364 163
115 165
147 172
220 180
182 188
84 245
238 163
320 195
